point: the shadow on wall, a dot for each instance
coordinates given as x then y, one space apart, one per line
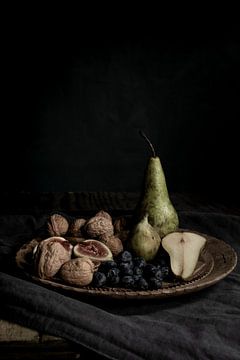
81 108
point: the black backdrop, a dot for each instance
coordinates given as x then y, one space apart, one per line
76 98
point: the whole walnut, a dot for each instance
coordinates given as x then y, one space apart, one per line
121 228
76 226
57 225
98 225
120 224
78 272
113 243
50 255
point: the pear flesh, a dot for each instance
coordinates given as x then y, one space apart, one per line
155 200
184 249
145 240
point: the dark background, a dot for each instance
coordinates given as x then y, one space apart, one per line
76 96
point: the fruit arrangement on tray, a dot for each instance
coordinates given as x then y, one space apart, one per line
140 253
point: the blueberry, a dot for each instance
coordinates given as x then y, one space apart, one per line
106 265
113 276
136 277
141 284
125 256
158 275
155 283
165 271
127 271
139 262
126 268
99 279
150 270
137 270
127 281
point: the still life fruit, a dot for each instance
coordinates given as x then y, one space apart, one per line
138 253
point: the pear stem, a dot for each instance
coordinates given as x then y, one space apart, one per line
148 141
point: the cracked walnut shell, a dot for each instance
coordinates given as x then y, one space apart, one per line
50 255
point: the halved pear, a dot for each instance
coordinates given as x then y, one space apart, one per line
184 249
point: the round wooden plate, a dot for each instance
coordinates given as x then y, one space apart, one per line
216 261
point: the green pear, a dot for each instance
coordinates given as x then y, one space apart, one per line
145 240
155 199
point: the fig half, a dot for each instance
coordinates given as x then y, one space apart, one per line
93 249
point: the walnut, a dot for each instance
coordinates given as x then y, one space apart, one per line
78 272
124 235
121 228
76 226
50 255
98 225
120 224
57 225
113 243
24 257
105 214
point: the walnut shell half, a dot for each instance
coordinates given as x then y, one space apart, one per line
50 255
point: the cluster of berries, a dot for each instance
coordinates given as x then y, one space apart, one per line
131 272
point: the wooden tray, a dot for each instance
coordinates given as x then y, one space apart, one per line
216 262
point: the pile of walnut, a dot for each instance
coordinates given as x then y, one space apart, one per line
74 250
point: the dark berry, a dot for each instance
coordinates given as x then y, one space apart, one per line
141 284
125 256
106 265
136 277
113 276
127 281
150 270
99 279
126 267
155 283
137 271
139 262
165 271
158 275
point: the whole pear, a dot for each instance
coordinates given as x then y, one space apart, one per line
145 240
155 199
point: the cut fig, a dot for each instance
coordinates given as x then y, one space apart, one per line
93 249
184 249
